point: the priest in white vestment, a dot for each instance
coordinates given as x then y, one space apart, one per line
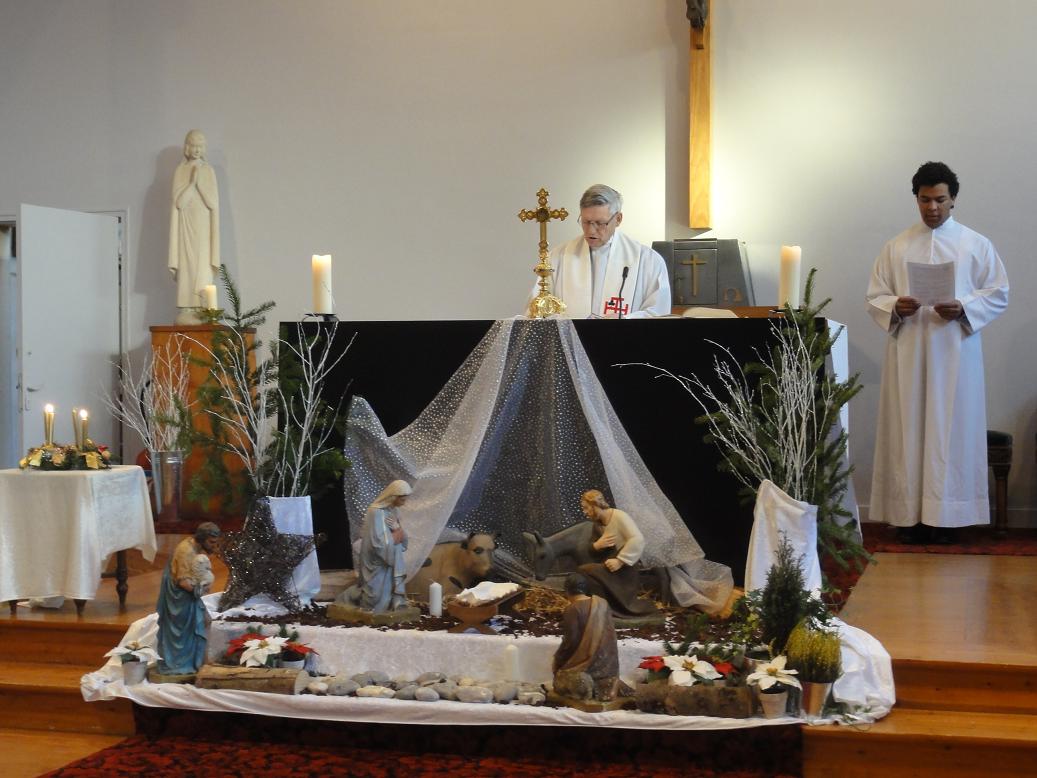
931 449
604 273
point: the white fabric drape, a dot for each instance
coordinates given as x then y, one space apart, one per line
776 514
519 431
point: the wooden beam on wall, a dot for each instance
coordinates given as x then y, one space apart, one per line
699 107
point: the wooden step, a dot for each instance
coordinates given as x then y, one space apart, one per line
911 742
28 753
58 642
46 696
965 686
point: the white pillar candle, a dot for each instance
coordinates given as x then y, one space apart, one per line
209 295
511 663
322 302
435 599
84 424
48 424
788 276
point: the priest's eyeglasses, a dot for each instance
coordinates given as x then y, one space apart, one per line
588 224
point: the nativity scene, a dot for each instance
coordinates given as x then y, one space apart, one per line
510 472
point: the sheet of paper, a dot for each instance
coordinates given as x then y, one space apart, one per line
931 284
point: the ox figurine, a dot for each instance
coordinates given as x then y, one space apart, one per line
455 566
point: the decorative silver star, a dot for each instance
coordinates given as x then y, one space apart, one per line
261 560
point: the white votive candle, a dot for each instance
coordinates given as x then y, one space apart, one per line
435 599
209 295
322 302
511 663
788 276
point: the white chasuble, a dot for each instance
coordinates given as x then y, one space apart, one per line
931 447
591 284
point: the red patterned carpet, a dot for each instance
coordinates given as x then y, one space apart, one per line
968 540
215 744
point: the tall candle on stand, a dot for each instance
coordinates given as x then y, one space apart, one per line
322 302
75 428
84 423
788 276
48 424
209 295
435 599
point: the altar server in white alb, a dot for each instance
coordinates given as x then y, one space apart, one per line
605 273
930 451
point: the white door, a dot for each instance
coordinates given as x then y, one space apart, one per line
69 270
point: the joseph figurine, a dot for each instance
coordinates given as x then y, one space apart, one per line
183 621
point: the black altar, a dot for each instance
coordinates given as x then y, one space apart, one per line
400 366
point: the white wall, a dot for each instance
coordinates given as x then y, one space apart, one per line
403 137
823 111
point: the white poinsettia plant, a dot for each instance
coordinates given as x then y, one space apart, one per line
690 670
769 674
257 651
135 652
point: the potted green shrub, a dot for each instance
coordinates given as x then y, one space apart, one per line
815 654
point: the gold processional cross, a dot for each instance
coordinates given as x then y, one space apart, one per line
695 262
544 304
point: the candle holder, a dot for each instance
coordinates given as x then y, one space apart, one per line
327 318
209 315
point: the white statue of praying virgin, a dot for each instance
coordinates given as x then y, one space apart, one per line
194 228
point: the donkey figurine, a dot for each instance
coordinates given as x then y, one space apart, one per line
573 542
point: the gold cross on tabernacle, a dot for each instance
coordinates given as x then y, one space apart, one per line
694 262
544 304
543 215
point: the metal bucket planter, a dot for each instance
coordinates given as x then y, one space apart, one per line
814 697
167 469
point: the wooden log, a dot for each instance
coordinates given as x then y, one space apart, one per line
275 680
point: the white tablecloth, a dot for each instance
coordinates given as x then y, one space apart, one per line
57 528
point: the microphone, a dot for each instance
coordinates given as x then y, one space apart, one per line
626 272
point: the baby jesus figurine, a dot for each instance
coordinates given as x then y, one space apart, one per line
201 575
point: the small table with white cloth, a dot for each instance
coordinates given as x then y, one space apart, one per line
58 527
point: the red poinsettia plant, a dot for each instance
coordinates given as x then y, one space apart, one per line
255 648
293 650
689 664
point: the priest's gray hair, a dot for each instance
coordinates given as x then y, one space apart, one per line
599 194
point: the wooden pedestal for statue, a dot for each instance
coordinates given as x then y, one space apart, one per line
197 338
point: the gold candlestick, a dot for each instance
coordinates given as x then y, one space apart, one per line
48 425
544 304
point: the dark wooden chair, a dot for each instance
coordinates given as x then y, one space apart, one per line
999 458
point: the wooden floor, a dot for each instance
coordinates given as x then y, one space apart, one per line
946 607
962 632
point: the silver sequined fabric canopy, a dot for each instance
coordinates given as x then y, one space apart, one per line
518 433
